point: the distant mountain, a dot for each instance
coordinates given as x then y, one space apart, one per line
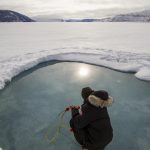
52 19
11 16
81 20
143 16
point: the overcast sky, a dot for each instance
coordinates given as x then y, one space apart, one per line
74 8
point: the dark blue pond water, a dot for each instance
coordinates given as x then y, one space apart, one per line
29 106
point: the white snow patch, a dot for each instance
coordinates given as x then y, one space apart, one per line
143 73
121 61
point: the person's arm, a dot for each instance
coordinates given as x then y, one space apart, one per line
74 112
82 120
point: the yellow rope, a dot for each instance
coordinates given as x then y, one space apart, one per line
58 129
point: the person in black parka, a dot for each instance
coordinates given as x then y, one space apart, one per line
92 129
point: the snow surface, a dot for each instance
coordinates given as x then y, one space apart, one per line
122 61
123 47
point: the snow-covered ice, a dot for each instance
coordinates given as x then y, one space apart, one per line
120 46
122 61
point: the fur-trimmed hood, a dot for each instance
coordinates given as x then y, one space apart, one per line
98 102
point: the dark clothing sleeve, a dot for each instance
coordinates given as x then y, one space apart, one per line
79 120
74 112
82 120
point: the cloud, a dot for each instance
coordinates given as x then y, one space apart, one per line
74 8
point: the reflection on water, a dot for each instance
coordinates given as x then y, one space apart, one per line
83 71
30 104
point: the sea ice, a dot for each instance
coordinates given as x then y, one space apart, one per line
121 61
120 46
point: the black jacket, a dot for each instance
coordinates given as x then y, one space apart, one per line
93 125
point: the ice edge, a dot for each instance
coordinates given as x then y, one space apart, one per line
120 61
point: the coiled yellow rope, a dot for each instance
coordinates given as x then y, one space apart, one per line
58 129
60 125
